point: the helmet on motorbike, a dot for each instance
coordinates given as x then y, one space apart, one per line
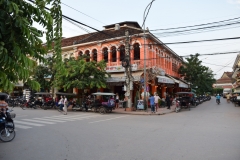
218 94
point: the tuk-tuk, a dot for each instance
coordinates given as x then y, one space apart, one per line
102 102
183 101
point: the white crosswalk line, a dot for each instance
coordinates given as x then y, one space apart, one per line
108 119
50 120
68 115
61 119
21 126
74 118
28 123
38 121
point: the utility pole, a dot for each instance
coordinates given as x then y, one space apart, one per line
126 63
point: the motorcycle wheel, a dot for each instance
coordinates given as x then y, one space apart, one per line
94 109
7 138
23 106
12 126
176 110
102 110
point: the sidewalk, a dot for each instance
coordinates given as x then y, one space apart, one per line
161 111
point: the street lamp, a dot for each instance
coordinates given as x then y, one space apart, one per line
144 19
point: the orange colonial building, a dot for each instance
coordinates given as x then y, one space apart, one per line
109 45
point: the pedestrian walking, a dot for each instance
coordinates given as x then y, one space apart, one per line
65 105
117 100
228 97
156 99
60 103
152 103
168 102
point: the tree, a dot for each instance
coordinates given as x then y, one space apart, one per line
20 43
44 73
81 74
197 74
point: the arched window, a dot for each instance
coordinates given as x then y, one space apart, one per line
122 52
87 53
80 53
105 54
94 52
136 51
114 54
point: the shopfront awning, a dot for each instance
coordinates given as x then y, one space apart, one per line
183 84
117 77
164 79
175 80
121 77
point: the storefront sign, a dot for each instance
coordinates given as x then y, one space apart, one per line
183 85
120 68
164 79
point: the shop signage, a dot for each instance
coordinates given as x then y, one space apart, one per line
164 79
116 84
120 68
183 85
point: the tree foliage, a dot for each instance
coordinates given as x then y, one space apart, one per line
81 74
198 75
20 43
44 73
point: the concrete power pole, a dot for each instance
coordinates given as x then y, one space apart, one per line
127 64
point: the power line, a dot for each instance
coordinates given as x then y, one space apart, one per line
212 54
76 21
216 64
82 12
197 25
194 32
209 40
84 29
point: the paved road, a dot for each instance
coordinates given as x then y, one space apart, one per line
208 132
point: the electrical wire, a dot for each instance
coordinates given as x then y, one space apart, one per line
82 28
216 64
195 32
76 21
208 40
196 25
82 13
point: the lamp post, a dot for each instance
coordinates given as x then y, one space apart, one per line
144 32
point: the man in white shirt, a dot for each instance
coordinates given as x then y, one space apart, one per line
65 105
156 98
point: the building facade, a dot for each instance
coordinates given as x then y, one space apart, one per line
162 63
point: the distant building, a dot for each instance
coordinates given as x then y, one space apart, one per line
226 81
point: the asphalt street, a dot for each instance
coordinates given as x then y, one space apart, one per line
207 132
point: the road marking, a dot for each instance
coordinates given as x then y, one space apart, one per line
44 119
68 116
108 119
22 116
28 123
38 121
74 118
21 126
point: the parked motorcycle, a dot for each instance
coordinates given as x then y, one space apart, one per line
7 132
78 107
29 103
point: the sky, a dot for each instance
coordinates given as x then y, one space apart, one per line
165 14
